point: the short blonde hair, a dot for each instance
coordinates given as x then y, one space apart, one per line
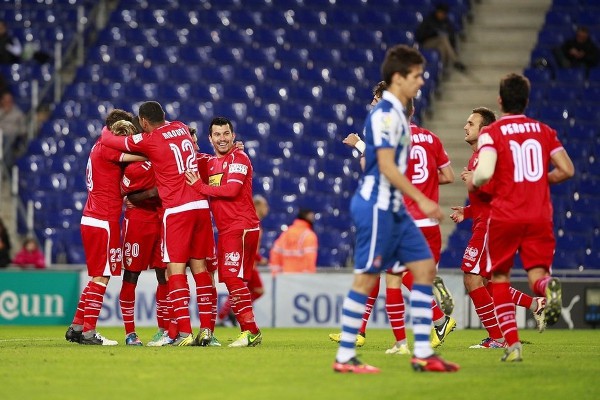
123 128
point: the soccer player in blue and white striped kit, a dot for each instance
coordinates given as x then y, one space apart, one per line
386 236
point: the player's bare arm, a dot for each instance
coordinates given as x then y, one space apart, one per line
446 175
485 169
128 157
387 166
563 167
138 197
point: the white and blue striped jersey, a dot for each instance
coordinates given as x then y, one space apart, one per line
385 127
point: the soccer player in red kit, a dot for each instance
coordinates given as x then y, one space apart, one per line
517 152
474 265
230 192
186 225
141 248
100 232
255 284
428 167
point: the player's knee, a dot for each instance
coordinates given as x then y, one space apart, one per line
131 276
233 283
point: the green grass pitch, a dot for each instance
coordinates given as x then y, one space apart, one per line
37 363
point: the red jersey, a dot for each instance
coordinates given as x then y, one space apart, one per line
139 176
479 200
523 146
427 156
103 176
171 150
230 191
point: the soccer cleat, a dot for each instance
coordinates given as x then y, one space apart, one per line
443 295
204 337
214 342
72 335
539 314
360 338
433 363
401 349
133 340
440 333
553 301
183 340
156 340
247 339
354 366
513 353
98 339
489 343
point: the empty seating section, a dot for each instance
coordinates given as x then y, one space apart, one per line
568 100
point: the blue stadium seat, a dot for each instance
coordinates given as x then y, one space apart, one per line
573 76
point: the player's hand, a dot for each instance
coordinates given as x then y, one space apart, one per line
458 215
239 145
466 174
351 140
192 177
431 209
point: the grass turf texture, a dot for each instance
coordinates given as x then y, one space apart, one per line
37 363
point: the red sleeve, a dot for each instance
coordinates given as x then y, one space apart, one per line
467 212
228 190
134 143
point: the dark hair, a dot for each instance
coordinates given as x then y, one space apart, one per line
136 123
303 214
379 89
117 115
487 115
582 28
400 59
152 111
442 7
514 93
219 121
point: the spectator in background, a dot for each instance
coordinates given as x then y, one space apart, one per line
295 250
579 51
4 246
10 47
437 32
30 255
13 127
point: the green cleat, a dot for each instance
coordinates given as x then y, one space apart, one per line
204 337
183 340
513 353
443 295
360 338
553 301
214 342
440 333
247 339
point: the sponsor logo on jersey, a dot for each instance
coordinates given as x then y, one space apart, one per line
238 169
128 261
137 138
232 259
126 181
215 180
377 262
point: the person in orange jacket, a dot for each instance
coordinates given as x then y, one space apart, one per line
295 250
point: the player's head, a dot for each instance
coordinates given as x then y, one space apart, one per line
123 128
261 205
378 92
221 135
582 34
193 134
117 115
136 123
480 117
514 93
151 115
307 215
402 71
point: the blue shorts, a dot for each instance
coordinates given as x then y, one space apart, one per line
385 239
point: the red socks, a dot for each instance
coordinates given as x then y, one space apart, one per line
179 294
204 297
93 305
127 304
505 312
484 307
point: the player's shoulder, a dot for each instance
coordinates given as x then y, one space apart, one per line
239 155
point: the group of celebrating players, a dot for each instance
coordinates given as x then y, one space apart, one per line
167 225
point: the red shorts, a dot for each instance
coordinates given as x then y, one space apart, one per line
236 252
474 260
255 282
141 245
433 235
534 241
187 233
102 246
